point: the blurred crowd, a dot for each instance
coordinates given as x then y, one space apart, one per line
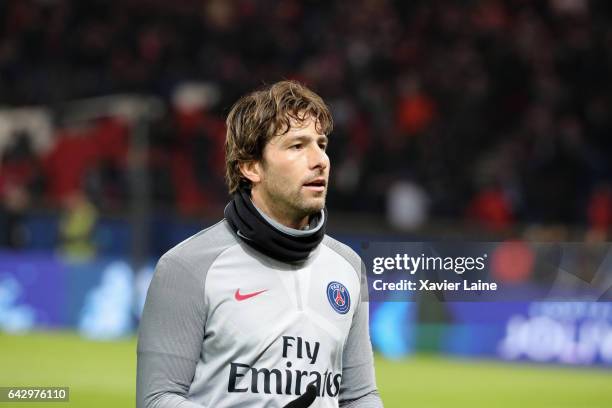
496 112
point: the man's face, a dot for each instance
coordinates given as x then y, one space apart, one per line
294 172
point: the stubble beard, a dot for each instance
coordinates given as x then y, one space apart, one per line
292 202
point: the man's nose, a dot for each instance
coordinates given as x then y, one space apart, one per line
318 158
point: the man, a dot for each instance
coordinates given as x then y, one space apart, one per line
254 309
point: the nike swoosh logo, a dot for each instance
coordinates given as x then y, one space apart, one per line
240 297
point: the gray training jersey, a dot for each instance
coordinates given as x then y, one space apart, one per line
226 326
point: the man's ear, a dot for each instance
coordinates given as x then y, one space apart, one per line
251 170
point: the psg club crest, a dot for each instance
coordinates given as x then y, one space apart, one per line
338 296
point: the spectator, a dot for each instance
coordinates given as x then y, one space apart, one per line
77 227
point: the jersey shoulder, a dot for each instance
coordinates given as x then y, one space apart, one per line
344 251
198 252
352 258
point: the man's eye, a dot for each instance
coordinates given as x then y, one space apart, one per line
323 146
296 146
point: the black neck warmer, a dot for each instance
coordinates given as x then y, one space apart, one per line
248 224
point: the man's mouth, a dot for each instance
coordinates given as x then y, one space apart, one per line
317 184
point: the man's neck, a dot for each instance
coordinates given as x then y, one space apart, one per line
287 220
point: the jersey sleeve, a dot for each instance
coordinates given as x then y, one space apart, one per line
170 336
358 386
